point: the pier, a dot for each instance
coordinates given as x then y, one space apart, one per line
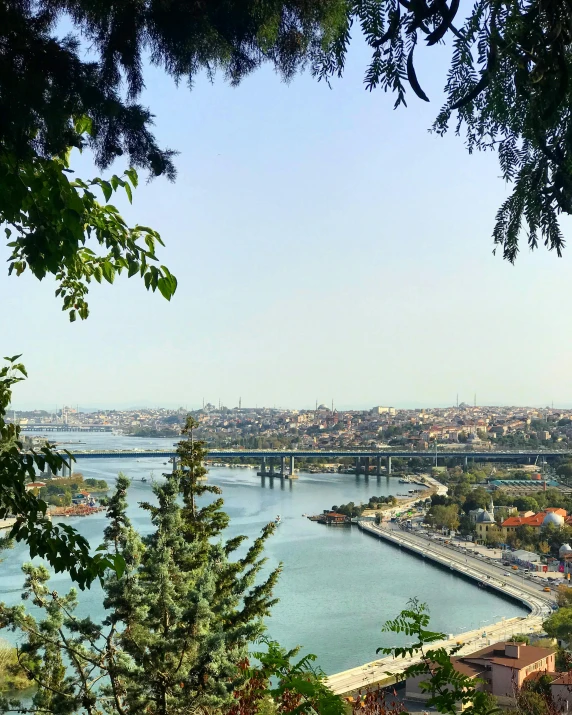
385 670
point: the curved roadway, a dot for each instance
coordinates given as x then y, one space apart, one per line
540 603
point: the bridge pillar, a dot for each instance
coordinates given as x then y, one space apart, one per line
263 466
366 466
389 465
378 466
357 465
271 471
174 464
466 462
282 460
293 475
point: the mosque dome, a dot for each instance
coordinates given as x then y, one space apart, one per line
485 518
553 519
565 550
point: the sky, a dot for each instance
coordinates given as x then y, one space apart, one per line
326 247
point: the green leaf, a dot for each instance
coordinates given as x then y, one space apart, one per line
107 190
108 271
83 125
165 288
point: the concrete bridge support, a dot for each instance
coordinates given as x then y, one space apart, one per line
466 462
292 474
263 466
282 460
357 465
389 465
378 466
366 466
271 470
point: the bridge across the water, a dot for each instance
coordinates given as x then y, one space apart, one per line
65 428
269 459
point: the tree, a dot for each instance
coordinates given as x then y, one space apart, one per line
447 690
180 618
60 544
526 504
564 596
559 624
564 471
443 516
507 86
479 498
494 536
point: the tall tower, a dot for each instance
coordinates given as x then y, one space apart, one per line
240 403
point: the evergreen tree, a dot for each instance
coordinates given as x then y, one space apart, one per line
180 617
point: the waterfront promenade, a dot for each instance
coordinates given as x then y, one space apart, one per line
539 603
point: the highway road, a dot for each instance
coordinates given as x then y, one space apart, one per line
482 570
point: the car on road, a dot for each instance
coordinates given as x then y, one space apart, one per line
546 589
506 573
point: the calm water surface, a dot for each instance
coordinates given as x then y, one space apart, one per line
338 584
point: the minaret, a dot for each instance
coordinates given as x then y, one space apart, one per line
492 508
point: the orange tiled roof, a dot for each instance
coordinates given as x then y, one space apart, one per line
535 520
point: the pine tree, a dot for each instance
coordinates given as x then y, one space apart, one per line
194 611
181 618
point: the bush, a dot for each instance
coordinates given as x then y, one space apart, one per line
12 677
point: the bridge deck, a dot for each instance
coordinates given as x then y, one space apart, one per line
315 454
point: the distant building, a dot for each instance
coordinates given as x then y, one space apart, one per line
484 522
34 485
550 516
383 411
332 517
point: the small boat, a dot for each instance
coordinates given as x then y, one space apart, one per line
278 520
143 479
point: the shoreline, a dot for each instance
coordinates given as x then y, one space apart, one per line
384 671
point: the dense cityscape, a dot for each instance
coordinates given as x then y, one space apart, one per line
463 426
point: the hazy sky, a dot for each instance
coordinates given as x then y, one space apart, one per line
326 247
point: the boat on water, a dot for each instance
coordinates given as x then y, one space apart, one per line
143 479
278 520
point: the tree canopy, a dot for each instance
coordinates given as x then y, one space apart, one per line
507 88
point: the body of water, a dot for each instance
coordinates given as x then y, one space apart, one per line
338 584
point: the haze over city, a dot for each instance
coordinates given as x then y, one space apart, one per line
326 247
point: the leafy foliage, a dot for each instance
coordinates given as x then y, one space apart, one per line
559 624
60 544
448 689
51 218
508 88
